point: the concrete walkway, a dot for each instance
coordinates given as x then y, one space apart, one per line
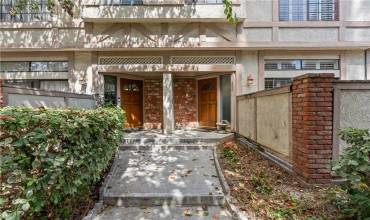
175 180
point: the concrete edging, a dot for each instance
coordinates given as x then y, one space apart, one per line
235 211
99 205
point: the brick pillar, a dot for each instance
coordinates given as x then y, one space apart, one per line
312 112
185 103
153 104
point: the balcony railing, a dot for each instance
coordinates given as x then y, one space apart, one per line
143 2
309 10
120 2
32 11
203 2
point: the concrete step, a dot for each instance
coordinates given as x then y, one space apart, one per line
168 141
155 147
154 178
164 213
158 199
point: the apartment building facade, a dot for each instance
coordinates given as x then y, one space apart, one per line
179 63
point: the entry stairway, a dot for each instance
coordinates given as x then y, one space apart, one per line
164 177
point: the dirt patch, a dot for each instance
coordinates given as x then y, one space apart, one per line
266 191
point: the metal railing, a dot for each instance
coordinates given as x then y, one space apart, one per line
203 2
309 11
141 2
32 11
119 2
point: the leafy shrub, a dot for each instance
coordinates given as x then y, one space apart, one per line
50 157
354 165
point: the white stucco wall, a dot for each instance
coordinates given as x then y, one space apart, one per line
258 10
355 65
249 66
356 10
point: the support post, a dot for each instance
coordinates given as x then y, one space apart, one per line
168 114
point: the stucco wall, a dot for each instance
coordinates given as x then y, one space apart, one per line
356 10
351 109
273 122
265 117
35 101
248 61
355 65
246 118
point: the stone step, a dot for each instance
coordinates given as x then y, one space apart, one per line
158 199
155 147
164 213
168 141
153 178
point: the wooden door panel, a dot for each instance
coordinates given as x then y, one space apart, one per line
207 102
131 102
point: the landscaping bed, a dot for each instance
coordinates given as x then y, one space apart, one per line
263 190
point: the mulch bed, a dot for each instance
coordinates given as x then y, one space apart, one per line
263 190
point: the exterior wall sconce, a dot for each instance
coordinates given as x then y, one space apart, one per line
250 80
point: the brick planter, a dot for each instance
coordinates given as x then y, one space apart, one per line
312 126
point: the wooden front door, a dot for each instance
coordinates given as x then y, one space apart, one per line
207 102
131 102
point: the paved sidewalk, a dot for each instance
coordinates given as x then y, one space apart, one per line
164 183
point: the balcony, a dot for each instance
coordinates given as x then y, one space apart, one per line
156 10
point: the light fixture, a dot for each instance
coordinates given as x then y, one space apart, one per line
249 80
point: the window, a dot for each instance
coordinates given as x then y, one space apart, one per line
50 85
282 64
308 10
34 66
110 89
34 10
287 65
271 83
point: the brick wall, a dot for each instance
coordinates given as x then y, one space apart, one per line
1 94
153 104
312 126
185 104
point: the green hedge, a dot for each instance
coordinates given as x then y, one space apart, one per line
51 157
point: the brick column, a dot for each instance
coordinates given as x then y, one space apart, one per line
312 113
153 104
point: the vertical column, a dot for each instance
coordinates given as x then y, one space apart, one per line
168 115
2 104
312 126
367 67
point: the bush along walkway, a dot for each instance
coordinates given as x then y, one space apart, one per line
168 178
51 158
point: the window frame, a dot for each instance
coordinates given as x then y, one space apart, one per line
26 15
29 69
301 64
306 14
